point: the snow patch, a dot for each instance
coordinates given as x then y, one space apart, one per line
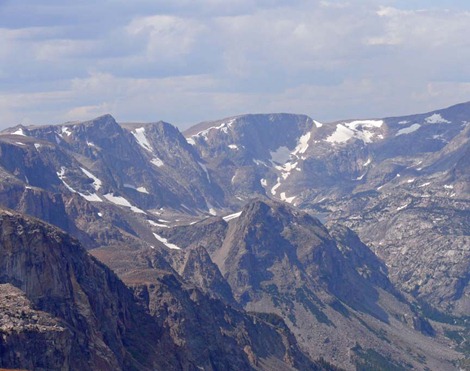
222 127
205 170
191 141
275 187
355 129
20 131
92 197
37 145
287 168
367 162
96 182
157 162
402 207
283 156
121 201
436 118
151 222
142 190
448 186
259 162
264 182
211 209
233 146
139 135
303 144
317 124
285 198
65 130
166 243
425 184
408 130
138 189
232 216
61 175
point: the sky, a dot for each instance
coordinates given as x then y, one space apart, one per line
187 61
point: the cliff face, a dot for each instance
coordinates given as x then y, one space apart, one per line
63 310
215 336
24 332
331 290
85 307
401 183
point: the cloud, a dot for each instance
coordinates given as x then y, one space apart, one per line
436 28
185 61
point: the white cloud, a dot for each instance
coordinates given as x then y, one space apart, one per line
87 112
422 29
185 62
168 37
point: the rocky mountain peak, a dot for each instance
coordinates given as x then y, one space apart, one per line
99 128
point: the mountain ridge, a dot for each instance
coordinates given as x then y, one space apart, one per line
355 227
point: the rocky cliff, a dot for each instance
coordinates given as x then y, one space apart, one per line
59 299
280 260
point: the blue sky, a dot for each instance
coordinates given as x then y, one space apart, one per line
186 61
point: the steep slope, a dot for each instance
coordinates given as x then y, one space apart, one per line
170 151
419 223
54 292
149 165
25 332
100 182
334 296
197 312
401 183
247 152
98 324
299 160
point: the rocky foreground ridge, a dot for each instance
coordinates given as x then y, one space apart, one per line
63 310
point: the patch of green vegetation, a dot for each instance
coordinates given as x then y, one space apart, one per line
271 290
277 299
371 360
291 318
428 311
460 337
463 364
340 308
302 297
381 334
421 358
272 318
326 366
454 335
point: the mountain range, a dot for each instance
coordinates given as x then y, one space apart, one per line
267 241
